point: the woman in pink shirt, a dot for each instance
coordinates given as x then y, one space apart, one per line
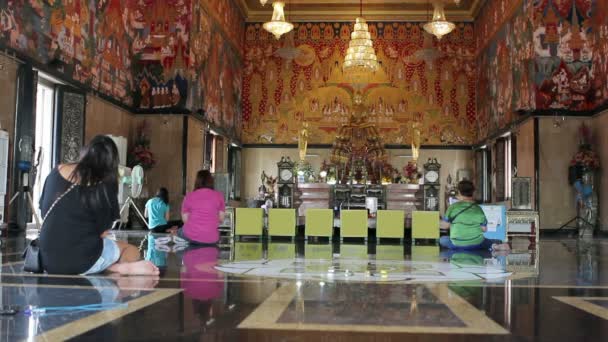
202 211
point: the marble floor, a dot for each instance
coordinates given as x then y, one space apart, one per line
284 291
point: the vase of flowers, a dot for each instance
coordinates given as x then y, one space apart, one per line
586 159
410 171
141 154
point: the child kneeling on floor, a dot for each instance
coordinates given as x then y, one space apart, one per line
467 223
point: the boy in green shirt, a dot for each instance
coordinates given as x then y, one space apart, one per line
467 223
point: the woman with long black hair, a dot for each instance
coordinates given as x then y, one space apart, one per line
80 204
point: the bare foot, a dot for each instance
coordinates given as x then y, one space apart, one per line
501 247
500 253
142 267
135 283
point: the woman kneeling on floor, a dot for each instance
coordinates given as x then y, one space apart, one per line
80 203
467 223
202 211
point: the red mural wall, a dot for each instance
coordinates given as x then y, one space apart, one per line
540 55
423 82
147 54
216 69
88 41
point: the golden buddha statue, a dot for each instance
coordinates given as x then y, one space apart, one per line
416 141
303 141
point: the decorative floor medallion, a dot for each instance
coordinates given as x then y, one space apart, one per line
361 270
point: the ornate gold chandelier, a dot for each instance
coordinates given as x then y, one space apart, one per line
278 26
439 26
360 56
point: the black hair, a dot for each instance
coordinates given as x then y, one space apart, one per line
98 164
163 194
466 188
204 179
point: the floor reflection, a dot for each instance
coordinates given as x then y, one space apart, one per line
53 311
260 290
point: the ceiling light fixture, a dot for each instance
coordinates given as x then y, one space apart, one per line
263 2
360 57
278 26
439 26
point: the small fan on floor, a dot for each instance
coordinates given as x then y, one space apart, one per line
135 181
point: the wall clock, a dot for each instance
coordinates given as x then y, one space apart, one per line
286 182
432 180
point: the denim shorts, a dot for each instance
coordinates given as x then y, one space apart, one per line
109 256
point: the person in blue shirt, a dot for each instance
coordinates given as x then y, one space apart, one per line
157 212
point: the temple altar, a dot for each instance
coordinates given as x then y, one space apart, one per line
406 197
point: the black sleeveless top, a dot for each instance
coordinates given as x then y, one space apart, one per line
70 240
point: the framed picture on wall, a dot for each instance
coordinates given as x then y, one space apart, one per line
522 193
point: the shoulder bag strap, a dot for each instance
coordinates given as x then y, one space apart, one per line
460 212
57 201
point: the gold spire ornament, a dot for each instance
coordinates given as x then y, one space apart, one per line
360 57
278 26
439 26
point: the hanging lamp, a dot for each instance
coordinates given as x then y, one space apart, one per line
278 26
439 26
360 56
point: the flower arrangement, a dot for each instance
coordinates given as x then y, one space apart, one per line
141 153
305 172
410 171
587 159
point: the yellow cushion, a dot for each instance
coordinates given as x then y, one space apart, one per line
319 222
425 225
390 224
353 223
249 221
282 222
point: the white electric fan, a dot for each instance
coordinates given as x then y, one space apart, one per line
135 181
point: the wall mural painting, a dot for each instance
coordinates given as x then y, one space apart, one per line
564 44
88 41
143 53
555 49
506 70
299 79
228 16
161 50
600 58
216 74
